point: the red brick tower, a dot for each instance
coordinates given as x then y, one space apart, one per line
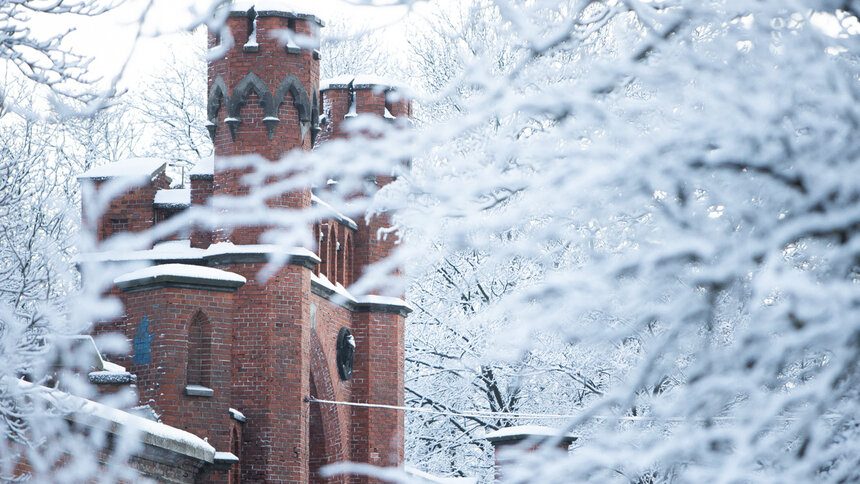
232 358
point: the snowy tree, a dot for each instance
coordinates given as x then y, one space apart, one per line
681 174
40 55
173 104
684 171
39 299
348 50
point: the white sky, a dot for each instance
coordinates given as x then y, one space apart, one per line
109 38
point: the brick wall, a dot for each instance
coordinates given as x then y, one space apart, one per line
131 211
160 325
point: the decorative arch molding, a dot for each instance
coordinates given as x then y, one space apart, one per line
250 83
301 101
336 444
218 95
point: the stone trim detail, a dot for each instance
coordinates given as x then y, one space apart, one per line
308 110
282 14
226 259
357 307
182 282
218 95
301 101
250 83
199 391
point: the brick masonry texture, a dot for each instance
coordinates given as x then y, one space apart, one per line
269 345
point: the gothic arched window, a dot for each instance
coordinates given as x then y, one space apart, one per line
199 365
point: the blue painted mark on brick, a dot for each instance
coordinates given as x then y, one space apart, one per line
142 341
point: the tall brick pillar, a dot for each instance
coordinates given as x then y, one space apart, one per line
263 100
377 434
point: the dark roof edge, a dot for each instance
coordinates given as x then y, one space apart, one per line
182 282
282 14
357 307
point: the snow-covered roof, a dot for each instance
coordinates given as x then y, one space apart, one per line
342 295
132 167
116 421
360 81
173 198
335 288
298 8
205 167
337 215
427 477
180 273
222 248
181 250
520 432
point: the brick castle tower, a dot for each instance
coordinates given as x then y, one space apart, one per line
233 359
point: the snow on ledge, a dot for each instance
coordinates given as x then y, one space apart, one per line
520 432
205 167
384 301
181 250
111 378
339 216
341 295
237 415
177 197
132 167
226 457
361 81
180 272
227 248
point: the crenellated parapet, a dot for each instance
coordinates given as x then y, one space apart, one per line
264 83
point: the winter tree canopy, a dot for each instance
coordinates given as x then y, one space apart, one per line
642 215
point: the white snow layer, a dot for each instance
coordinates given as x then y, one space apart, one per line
132 167
180 270
116 421
237 415
178 197
343 218
204 167
324 281
182 250
384 300
298 7
226 457
427 477
111 377
337 288
524 431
